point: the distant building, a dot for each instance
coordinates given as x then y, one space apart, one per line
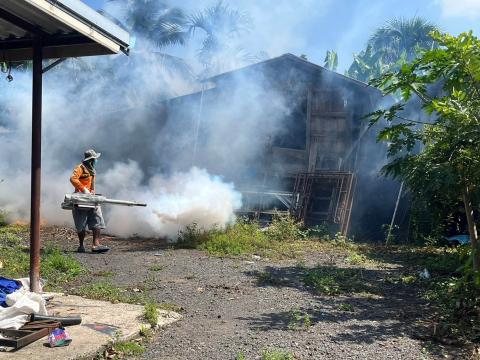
317 161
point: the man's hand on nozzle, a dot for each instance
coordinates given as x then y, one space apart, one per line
86 191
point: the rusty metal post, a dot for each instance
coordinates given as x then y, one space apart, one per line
36 167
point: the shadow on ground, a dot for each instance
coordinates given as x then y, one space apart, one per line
368 303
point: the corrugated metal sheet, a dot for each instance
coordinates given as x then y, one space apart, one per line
16 40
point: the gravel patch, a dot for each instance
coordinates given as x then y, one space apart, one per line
230 307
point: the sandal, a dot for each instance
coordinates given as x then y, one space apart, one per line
100 249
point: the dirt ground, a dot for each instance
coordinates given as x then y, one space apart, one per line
231 307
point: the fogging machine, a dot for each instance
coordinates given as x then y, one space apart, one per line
90 201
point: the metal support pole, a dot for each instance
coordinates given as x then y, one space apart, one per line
394 214
36 167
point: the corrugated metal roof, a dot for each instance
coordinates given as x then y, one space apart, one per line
68 28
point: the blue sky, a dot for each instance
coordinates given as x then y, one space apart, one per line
312 27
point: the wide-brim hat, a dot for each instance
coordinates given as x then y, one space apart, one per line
91 154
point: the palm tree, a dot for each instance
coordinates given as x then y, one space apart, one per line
154 20
397 42
221 26
402 36
154 25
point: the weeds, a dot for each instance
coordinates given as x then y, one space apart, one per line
345 307
156 267
150 312
285 228
123 349
276 354
146 332
334 281
458 304
297 320
103 273
402 279
284 238
355 258
170 307
193 236
106 291
240 356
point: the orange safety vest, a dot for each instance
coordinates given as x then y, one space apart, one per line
81 179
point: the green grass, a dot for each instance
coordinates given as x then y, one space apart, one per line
284 238
106 291
170 307
276 354
150 312
240 356
123 349
103 273
57 268
16 229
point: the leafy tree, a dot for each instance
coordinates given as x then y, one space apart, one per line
366 65
439 157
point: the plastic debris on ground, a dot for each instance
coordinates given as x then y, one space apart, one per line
59 337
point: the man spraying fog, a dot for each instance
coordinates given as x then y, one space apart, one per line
83 180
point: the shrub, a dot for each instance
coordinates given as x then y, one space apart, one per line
447 263
458 301
241 238
355 258
285 228
192 236
321 231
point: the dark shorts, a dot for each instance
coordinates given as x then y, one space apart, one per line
91 217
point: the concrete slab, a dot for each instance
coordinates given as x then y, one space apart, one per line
101 322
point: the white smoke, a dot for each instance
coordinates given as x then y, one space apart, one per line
108 103
173 201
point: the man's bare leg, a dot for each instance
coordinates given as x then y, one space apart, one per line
96 237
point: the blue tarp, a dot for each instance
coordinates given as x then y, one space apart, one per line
7 286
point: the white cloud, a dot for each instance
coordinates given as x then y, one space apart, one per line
460 8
